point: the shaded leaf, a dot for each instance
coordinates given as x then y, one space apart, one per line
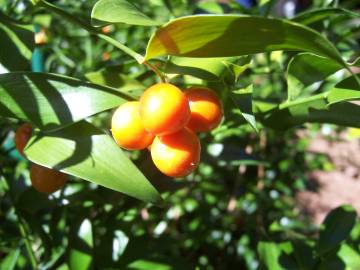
315 15
210 69
219 36
336 228
243 99
333 107
80 255
17 43
119 11
56 101
86 152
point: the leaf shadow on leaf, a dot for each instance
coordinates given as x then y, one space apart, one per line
31 112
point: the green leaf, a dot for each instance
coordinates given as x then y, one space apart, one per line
112 77
350 257
17 43
119 11
235 35
333 107
315 15
51 101
146 264
243 99
86 152
236 69
9 262
210 69
274 256
80 255
336 228
306 69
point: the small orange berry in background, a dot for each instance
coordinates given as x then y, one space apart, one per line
46 180
22 136
206 109
177 154
164 109
127 128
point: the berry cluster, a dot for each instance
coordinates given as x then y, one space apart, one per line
165 121
42 179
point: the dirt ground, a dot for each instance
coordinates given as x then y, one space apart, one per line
337 187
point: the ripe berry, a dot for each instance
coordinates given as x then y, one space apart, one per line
46 180
164 109
127 128
22 136
206 109
177 154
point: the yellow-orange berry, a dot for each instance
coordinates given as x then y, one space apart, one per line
164 109
177 154
22 136
46 180
206 109
127 128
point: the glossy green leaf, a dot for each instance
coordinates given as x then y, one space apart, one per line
118 11
306 69
86 152
333 107
315 15
336 228
243 99
81 253
17 43
235 35
52 101
210 69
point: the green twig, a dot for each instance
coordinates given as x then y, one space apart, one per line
92 30
22 228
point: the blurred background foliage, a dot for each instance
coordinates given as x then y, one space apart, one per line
237 211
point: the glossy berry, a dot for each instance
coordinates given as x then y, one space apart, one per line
206 109
46 180
164 109
127 128
177 154
22 136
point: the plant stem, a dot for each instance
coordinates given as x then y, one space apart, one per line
92 30
156 70
22 228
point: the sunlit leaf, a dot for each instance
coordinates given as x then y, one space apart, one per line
86 152
235 35
51 101
118 11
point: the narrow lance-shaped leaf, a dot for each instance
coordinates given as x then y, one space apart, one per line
333 107
235 35
315 15
243 99
51 101
86 152
306 69
119 11
17 43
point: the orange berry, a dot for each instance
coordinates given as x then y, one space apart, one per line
206 109
127 128
46 180
22 136
164 109
177 154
